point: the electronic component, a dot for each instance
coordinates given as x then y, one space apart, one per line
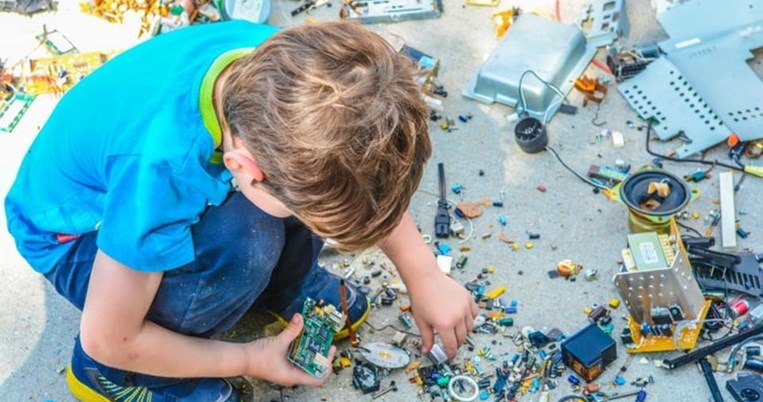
606 174
437 355
589 351
12 110
365 378
59 73
746 388
661 316
374 11
309 351
625 65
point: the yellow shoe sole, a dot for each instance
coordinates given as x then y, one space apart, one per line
339 335
81 391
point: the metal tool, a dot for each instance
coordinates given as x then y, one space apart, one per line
392 387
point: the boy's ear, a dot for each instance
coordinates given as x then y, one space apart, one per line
237 161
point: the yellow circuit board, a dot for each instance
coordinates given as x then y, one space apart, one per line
683 341
56 75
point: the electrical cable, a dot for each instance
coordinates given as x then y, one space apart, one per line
391 326
689 228
455 204
521 91
596 117
459 397
670 158
589 182
738 347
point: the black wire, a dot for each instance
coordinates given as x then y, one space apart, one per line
393 327
689 228
589 182
670 158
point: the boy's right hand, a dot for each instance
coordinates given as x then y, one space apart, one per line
268 358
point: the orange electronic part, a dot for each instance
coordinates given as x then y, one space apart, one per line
733 140
591 88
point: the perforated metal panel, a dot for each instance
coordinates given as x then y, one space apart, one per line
663 93
642 290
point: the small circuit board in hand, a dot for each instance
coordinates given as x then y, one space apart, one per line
309 351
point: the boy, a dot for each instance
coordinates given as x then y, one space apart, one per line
124 202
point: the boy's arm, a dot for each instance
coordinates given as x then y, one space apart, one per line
114 331
439 302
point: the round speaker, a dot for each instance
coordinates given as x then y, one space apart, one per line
634 192
530 135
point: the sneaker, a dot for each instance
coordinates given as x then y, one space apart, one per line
87 384
320 284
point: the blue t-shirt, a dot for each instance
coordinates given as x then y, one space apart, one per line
126 153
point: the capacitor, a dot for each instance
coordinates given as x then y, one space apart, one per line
641 397
740 307
754 365
461 261
573 380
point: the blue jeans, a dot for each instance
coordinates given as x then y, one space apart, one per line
245 260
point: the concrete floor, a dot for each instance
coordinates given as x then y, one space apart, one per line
37 326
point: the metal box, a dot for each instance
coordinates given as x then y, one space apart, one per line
558 53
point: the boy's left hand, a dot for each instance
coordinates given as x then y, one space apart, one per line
441 304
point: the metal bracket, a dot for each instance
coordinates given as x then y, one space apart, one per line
606 20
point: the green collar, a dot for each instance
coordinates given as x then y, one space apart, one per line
206 97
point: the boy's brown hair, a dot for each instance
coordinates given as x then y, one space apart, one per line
335 120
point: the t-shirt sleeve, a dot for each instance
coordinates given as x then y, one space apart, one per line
148 213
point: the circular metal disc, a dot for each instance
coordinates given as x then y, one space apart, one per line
385 355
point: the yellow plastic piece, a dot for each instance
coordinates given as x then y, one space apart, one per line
614 303
754 170
684 341
514 246
695 215
529 245
414 365
587 310
345 362
495 292
490 269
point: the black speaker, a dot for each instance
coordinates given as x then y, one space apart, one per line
530 134
634 192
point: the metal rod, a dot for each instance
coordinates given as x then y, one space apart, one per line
707 350
707 370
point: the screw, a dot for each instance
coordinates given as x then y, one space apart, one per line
392 387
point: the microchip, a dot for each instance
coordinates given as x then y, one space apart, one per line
309 351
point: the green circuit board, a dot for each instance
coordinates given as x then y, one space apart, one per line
309 351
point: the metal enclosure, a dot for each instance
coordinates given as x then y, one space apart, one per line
558 53
643 289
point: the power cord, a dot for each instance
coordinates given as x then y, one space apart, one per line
755 170
589 182
523 101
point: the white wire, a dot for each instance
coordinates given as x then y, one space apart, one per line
520 88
